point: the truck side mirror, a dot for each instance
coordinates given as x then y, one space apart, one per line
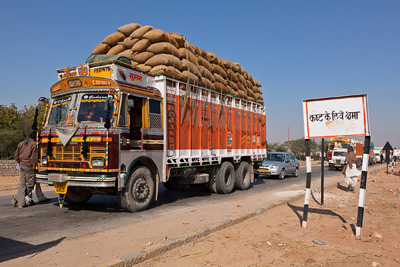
109 102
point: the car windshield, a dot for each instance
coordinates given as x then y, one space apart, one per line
275 157
59 110
93 108
340 154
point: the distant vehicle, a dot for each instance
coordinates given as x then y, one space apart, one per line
338 159
280 164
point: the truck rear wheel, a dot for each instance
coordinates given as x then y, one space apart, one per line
211 185
139 191
243 176
75 196
225 179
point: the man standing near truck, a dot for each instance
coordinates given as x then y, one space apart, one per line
350 170
26 155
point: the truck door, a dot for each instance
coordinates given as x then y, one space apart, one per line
135 106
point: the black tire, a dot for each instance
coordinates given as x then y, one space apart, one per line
139 191
225 179
243 176
75 196
296 173
212 184
282 174
171 184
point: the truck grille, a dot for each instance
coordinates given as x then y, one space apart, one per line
73 153
338 161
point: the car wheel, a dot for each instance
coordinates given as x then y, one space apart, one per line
282 175
296 173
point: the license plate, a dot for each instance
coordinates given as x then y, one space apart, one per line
58 177
338 165
61 188
262 170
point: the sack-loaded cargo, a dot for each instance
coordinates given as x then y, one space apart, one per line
156 52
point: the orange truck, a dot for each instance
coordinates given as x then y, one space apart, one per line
113 130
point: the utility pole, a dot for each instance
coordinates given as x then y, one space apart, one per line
288 140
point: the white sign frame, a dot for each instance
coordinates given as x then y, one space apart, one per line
342 116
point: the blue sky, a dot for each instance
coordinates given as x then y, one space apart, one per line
296 49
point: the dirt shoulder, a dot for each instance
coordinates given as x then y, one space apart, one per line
275 238
234 231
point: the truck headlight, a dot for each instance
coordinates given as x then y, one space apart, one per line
44 160
98 162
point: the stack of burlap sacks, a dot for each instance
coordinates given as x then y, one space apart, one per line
154 51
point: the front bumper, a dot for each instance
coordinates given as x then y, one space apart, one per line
82 180
265 171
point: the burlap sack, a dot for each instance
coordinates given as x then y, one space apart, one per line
172 40
167 71
101 48
129 28
164 59
218 69
128 42
144 68
134 63
203 54
127 53
232 75
142 57
178 38
141 45
233 85
189 66
241 88
186 53
206 82
226 63
219 79
236 67
141 31
115 50
163 48
246 75
241 94
205 72
114 38
251 98
189 77
204 62
156 35
250 93
242 79
249 85
257 90
258 84
213 58
191 48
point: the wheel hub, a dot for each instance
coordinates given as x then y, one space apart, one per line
141 190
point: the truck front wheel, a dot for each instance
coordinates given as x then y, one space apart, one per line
139 191
243 176
225 179
77 196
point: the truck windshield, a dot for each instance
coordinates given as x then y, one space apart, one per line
275 157
59 110
340 154
345 145
93 108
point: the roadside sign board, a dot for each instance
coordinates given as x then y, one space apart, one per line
342 116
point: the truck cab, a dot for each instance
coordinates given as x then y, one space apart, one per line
338 159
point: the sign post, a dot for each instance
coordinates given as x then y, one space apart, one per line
322 171
343 116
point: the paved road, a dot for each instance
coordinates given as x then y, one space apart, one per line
45 225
